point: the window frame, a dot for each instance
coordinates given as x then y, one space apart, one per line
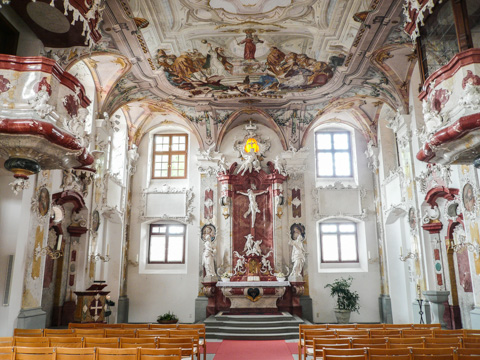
339 249
169 153
462 29
166 243
331 132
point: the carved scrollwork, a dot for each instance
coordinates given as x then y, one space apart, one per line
167 189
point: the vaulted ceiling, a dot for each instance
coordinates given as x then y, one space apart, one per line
287 59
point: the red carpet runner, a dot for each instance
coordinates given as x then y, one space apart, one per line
252 350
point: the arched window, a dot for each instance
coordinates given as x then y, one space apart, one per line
334 156
338 241
169 156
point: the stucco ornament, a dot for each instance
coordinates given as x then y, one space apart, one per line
266 266
252 247
39 102
19 184
240 264
471 96
372 156
433 120
431 214
250 163
132 159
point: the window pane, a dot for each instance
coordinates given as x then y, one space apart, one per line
473 10
159 229
438 38
348 247
324 141
178 143
181 173
329 228
345 228
175 249
157 248
161 143
329 248
340 141
176 229
324 164
342 164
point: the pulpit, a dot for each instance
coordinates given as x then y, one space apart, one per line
91 304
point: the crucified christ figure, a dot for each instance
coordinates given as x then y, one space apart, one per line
252 206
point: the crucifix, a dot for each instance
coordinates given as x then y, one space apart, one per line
96 306
252 206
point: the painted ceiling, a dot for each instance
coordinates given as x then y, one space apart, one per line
294 61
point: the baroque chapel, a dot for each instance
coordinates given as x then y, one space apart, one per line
201 157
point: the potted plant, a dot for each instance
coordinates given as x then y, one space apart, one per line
167 318
280 276
347 300
226 276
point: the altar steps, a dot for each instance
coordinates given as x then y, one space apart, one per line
253 327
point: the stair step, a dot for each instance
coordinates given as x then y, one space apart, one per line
251 327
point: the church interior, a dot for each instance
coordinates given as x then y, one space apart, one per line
209 158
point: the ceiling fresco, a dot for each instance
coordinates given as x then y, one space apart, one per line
249 48
295 62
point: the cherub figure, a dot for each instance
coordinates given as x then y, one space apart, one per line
240 264
250 163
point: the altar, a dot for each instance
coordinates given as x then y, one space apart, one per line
255 242
253 296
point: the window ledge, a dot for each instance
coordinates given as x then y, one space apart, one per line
342 267
336 183
164 269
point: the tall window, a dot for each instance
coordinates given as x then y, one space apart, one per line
170 156
167 244
338 242
333 154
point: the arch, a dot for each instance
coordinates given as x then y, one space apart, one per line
440 192
267 121
69 196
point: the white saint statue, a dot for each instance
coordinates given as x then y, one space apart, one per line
209 251
298 251
252 206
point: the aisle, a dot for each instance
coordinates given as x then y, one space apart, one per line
251 350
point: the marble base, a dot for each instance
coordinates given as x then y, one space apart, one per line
385 307
34 318
475 317
201 303
245 296
123 305
307 308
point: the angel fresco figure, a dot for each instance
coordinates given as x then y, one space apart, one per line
250 42
253 209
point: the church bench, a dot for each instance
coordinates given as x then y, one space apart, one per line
116 354
34 353
396 343
319 344
186 344
90 332
58 332
30 341
112 343
144 342
7 352
28 332
202 334
371 343
65 342
64 353
6 341
389 354
160 354
344 354
120 333
432 353
467 354
141 333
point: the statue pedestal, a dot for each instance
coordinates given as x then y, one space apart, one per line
253 296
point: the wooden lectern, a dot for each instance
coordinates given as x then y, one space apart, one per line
91 304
